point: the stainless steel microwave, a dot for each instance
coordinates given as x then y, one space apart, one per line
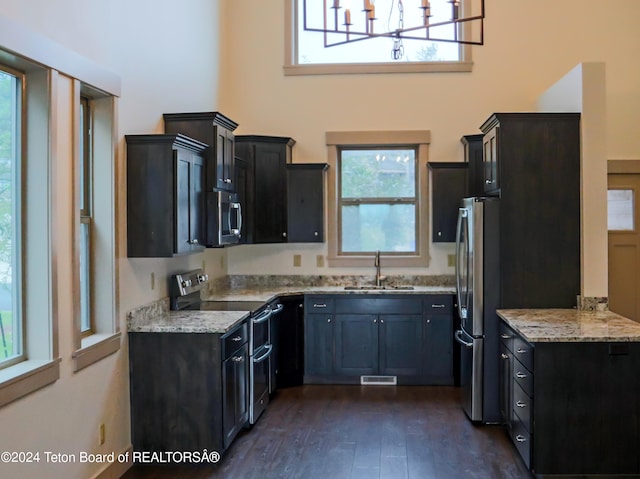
224 218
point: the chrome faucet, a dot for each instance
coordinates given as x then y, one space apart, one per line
376 263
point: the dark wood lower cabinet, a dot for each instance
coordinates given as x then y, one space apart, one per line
189 391
288 330
574 407
407 336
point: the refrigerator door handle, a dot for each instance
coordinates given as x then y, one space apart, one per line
462 308
458 336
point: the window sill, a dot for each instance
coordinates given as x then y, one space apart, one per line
357 68
387 261
95 347
26 377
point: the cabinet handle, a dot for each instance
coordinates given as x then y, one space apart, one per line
315 233
193 241
437 306
488 182
428 320
521 438
504 356
505 336
381 321
521 404
521 351
520 375
228 180
237 338
375 320
237 359
319 305
284 234
329 320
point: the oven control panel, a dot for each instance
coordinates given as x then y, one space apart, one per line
188 283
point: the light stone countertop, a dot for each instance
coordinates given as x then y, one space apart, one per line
219 322
571 325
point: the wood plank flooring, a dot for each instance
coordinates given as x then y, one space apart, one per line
360 432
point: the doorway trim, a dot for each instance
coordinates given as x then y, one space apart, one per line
623 166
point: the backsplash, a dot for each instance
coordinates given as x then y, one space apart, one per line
262 281
593 303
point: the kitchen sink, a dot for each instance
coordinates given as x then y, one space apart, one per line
366 287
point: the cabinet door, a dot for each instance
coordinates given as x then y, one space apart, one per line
449 181
235 410
400 341
319 344
270 208
506 386
188 208
356 344
305 210
438 348
196 202
490 160
290 352
225 159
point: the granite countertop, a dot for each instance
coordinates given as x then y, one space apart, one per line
157 318
571 325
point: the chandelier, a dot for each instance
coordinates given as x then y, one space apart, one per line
348 21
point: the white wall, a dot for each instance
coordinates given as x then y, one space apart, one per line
529 45
167 57
583 90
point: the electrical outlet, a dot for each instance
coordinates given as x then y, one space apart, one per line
101 435
153 281
297 260
320 261
451 260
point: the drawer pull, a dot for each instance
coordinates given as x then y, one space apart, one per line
237 338
237 359
521 438
520 375
504 356
438 306
521 404
319 305
505 336
521 351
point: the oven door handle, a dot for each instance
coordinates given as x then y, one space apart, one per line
269 349
279 308
263 316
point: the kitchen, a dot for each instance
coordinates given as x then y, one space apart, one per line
245 42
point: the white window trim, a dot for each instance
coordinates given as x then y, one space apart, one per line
42 59
335 139
105 338
291 68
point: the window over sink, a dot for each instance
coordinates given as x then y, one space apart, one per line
377 197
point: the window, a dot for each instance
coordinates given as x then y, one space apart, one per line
377 197
84 187
377 200
620 211
11 345
307 53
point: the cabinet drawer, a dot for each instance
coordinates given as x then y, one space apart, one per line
319 304
522 440
234 340
438 304
506 335
523 377
523 352
522 406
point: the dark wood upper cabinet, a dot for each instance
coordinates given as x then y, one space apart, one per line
449 186
216 130
284 201
305 202
165 201
473 157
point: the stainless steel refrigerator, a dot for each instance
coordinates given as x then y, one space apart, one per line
478 297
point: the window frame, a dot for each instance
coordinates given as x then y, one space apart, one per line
413 200
293 68
17 237
419 139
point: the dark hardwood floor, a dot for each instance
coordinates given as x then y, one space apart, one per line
359 432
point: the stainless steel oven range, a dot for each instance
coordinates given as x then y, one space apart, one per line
185 295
